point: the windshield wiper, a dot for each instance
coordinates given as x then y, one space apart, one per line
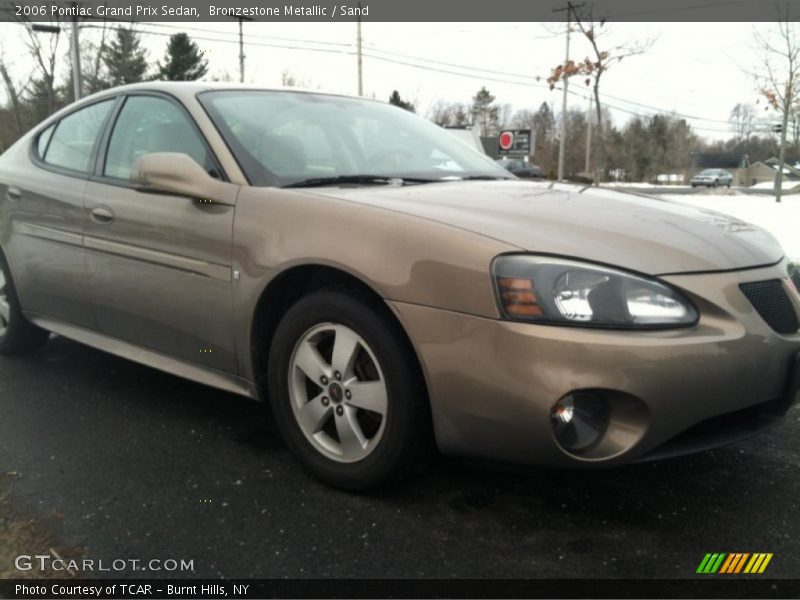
484 178
367 179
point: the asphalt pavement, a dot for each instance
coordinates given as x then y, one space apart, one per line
117 460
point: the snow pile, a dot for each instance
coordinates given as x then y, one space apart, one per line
770 185
639 184
781 220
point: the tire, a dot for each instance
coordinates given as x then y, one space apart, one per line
321 412
716 183
18 336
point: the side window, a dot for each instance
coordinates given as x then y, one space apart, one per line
147 124
71 144
44 139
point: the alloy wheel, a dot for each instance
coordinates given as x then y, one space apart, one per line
338 392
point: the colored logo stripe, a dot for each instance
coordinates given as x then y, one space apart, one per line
733 563
758 563
711 563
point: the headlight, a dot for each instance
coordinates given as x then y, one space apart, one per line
563 292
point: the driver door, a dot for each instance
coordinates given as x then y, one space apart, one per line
159 265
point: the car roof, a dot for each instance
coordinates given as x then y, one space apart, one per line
185 90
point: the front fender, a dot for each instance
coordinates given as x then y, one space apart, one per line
402 257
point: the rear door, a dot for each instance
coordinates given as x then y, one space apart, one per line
43 214
159 265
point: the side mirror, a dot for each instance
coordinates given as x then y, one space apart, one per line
180 175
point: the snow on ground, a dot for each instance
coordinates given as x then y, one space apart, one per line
781 220
770 185
634 184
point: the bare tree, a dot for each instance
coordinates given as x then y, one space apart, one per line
601 59
92 60
449 114
15 90
45 55
504 114
742 120
779 77
289 79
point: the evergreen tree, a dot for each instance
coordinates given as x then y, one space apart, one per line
485 112
396 100
183 61
43 99
124 59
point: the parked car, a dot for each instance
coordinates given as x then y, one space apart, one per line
712 178
520 168
387 289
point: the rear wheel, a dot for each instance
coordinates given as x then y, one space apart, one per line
346 391
17 334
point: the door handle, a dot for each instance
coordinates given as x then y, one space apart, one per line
102 215
14 193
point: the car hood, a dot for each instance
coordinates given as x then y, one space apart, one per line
627 230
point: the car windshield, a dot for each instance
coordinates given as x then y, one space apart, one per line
284 138
709 172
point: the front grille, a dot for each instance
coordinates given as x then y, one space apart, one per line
770 300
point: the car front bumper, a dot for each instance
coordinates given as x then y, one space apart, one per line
493 383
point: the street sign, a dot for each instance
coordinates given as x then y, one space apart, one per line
514 141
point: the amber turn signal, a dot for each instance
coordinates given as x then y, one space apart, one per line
518 297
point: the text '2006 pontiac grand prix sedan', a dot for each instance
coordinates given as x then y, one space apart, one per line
388 289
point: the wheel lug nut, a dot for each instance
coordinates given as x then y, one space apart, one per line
348 394
338 375
325 401
324 380
339 411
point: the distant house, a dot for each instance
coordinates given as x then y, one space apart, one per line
765 171
469 136
736 164
490 146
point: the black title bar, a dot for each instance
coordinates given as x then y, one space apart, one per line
397 11
140 589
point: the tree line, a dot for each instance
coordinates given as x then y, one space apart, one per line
638 150
118 58
641 149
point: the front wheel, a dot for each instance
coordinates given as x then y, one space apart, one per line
346 391
17 334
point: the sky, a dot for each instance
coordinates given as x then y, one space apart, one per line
698 70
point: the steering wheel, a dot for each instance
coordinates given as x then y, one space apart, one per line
396 153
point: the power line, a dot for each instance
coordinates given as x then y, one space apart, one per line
224 41
375 54
657 11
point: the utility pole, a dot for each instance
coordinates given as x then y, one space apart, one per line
562 142
360 59
781 158
563 136
241 52
241 47
77 76
589 138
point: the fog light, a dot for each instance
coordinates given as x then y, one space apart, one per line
579 419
